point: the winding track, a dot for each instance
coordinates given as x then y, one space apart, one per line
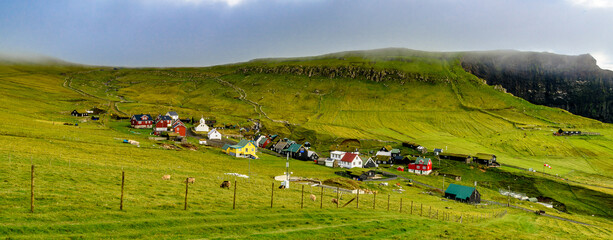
256 106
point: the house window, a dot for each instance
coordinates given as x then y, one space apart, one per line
418 167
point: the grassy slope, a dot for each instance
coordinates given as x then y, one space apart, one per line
79 167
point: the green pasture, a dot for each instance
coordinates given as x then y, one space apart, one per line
78 168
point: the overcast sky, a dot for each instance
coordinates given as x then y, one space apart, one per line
211 32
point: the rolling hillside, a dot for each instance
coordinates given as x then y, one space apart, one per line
391 95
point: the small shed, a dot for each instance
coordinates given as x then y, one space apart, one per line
463 193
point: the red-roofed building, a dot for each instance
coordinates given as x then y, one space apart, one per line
351 160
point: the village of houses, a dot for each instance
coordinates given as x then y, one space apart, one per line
171 127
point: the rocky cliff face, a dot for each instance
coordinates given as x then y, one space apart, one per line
573 83
377 75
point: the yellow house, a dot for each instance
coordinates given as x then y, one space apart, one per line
243 149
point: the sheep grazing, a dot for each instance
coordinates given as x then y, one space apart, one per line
334 200
166 177
225 184
191 180
282 187
313 198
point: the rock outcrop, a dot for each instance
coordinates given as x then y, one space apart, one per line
573 83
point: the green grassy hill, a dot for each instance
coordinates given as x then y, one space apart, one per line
390 95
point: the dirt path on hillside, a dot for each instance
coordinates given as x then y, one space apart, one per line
112 104
243 97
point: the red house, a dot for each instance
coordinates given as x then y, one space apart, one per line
422 166
141 121
179 128
161 124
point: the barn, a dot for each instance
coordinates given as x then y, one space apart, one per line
463 193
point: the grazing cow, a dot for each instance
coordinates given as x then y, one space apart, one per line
225 184
191 180
313 198
334 200
166 177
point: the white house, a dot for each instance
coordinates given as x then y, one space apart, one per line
351 160
337 155
214 134
174 115
202 127
202 141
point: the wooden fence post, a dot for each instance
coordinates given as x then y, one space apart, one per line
430 212
234 199
388 202
272 194
186 187
337 196
357 199
32 190
400 205
411 207
123 177
421 211
374 201
436 214
302 198
321 198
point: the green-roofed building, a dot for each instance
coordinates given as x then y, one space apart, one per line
463 193
297 151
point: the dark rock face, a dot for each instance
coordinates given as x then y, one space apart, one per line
377 75
573 83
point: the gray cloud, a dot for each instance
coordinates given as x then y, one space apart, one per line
209 32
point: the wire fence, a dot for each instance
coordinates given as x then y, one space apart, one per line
136 187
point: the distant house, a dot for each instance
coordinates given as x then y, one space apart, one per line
422 166
331 163
141 121
174 115
179 128
243 149
162 123
382 159
351 160
297 151
312 155
202 141
486 159
463 193
437 151
410 145
202 127
456 157
77 114
337 155
269 141
214 134
370 163
367 175
422 149
282 145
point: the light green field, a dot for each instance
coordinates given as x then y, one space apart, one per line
78 168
